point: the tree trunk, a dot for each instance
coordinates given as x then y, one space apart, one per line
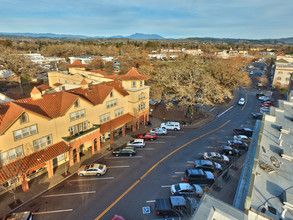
20 86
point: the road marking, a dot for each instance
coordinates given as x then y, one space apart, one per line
245 102
212 109
178 172
91 179
224 111
190 161
123 157
149 148
149 201
55 211
167 186
167 136
178 131
156 142
69 194
155 165
123 166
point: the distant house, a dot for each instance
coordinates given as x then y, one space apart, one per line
283 71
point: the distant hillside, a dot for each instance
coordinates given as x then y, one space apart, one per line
137 36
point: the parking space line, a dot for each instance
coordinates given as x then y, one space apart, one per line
167 136
123 166
177 131
55 211
224 111
149 148
167 186
91 179
124 157
179 172
149 201
69 194
157 142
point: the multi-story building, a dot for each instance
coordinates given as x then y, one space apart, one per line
47 130
283 71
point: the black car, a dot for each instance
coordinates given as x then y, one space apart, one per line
228 151
198 176
124 151
257 115
243 131
207 165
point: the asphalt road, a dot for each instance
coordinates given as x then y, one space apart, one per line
132 183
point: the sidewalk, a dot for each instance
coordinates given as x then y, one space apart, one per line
42 183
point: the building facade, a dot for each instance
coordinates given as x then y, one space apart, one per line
47 130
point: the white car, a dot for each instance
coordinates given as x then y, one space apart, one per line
241 101
160 131
241 138
136 143
171 125
186 189
216 157
94 169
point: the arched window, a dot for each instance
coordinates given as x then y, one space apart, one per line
23 118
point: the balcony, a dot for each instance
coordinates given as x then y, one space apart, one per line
80 134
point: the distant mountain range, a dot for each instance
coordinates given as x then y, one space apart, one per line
141 36
136 36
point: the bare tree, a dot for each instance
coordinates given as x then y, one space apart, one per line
19 64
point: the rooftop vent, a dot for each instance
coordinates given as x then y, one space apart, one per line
288 199
287 154
268 168
285 131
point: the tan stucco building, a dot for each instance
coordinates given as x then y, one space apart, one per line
47 130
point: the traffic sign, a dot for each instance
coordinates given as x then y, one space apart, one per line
146 210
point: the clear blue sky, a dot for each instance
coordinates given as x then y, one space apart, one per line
250 19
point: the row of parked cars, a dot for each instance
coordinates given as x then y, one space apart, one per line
201 176
265 105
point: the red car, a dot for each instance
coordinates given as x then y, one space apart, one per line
147 136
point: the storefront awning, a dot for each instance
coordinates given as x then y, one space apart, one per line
115 123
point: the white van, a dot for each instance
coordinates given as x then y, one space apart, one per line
171 125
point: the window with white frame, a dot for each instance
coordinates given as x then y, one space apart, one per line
42 142
141 83
141 106
111 103
133 84
78 128
60 157
77 115
119 112
25 132
104 117
23 118
141 96
77 103
11 155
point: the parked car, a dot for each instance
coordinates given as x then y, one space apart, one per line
124 151
171 125
186 189
94 169
160 131
264 109
241 101
257 115
243 131
27 215
263 98
207 165
241 138
147 136
136 143
238 144
268 103
175 206
228 151
216 157
198 176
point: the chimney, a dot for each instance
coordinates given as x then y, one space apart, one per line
36 94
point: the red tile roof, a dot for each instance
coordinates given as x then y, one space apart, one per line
131 75
97 93
83 82
98 71
76 63
110 125
57 84
30 161
43 87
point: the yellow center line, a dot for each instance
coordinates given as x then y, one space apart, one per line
245 102
153 167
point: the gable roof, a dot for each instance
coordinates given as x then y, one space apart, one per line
132 74
76 63
43 87
49 105
97 93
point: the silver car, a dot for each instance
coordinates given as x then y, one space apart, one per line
186 189
160 131
94 169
